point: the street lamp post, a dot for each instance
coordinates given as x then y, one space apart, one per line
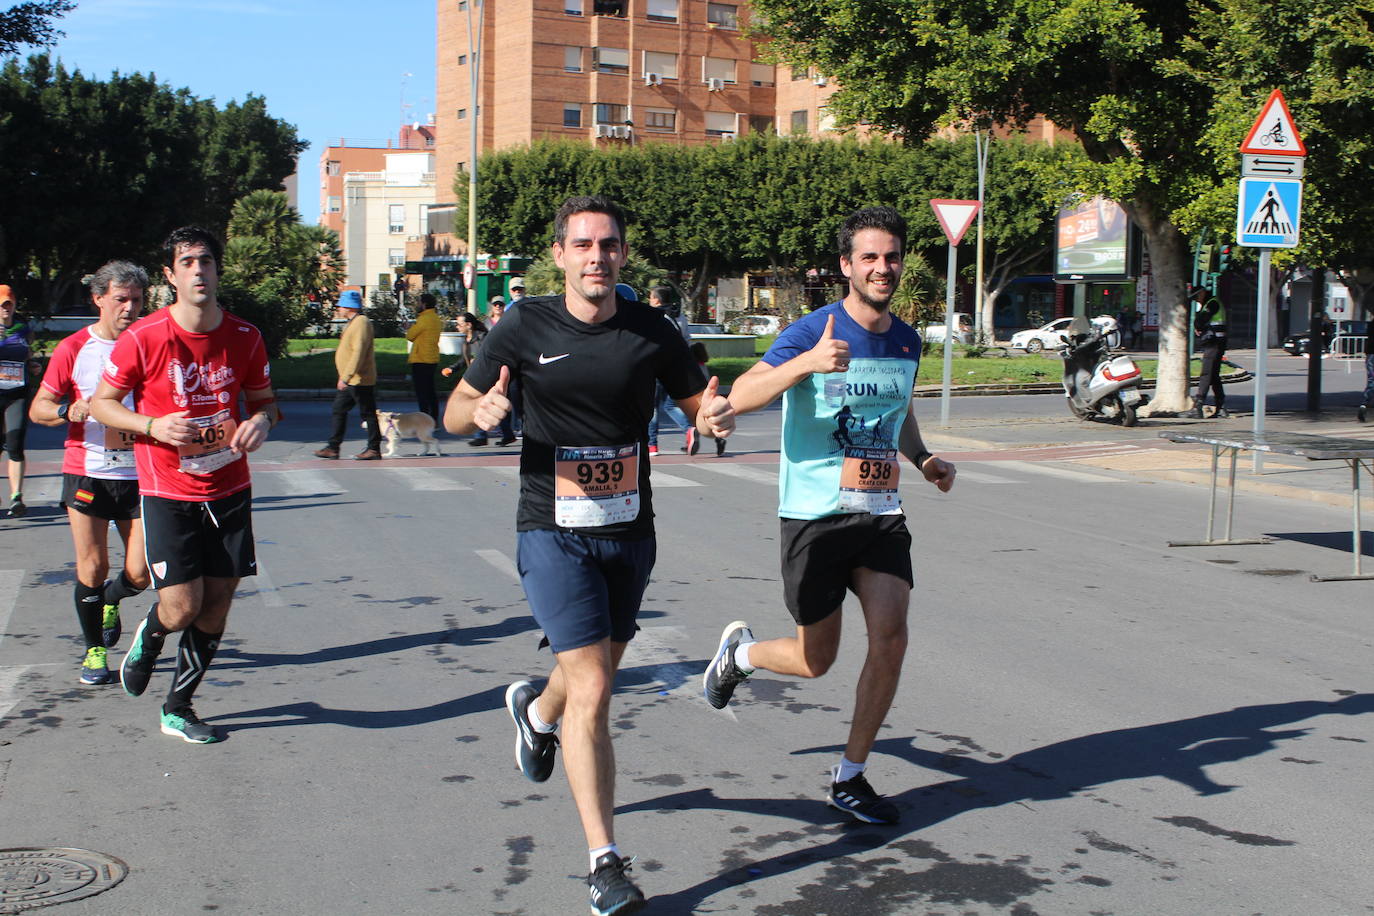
474 71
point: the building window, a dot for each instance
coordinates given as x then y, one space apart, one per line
608 8
825 121
331 167
572 115
660 119
761 74
720 123
572 60
462 60
725 15
761 124
662 63
335 204
462 5
798 74
718 68
661 11
397 218
573 7
462 114
611 60
799 122
396 257
611 114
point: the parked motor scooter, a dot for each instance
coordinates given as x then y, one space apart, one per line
1096 383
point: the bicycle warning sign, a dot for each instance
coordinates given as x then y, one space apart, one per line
1274 132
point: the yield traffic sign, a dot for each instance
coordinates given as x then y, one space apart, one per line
955 217
1268 213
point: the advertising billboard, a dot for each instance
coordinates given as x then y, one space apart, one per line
1092 242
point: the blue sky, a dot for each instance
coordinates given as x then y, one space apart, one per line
333 68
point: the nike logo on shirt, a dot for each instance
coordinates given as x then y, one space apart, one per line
545 360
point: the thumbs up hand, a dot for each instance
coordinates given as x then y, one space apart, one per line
716 410
494 405
829 354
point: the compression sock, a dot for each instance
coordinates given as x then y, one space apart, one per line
119 588
193 657
90 613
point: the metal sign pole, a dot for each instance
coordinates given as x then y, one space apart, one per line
949 334
1261 349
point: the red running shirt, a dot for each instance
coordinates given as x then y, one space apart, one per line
169 369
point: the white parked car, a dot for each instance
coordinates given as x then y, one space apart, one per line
963 322
754 324
1051 335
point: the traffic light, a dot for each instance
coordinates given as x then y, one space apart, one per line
1224 258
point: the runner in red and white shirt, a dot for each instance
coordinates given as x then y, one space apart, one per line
99 484
186 367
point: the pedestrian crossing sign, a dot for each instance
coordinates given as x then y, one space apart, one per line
1268 213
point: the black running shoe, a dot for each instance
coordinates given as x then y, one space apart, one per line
723 675
533 750
1362 412
17 507
187 726
693 441
858 798
137 667
611 891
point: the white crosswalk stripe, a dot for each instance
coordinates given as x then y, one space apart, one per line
499 560
663 481
1047 470
302 483
9 593
741 472
426 479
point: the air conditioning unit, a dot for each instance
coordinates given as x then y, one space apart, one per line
653 79
819 81
604 130
725 137
621 131
714 84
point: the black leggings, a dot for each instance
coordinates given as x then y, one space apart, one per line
14 411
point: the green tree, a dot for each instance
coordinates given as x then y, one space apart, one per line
31 24
1118 74
278 273
95 169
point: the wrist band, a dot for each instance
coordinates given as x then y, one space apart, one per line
148 430
921 458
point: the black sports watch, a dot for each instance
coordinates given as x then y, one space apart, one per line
61 411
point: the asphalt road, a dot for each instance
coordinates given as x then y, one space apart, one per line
1090 721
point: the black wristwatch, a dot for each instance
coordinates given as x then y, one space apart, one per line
61 411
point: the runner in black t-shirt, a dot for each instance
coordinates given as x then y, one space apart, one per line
587 363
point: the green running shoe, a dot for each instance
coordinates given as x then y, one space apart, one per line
94 670
111 627
187 726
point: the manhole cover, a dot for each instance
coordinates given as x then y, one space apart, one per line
32 877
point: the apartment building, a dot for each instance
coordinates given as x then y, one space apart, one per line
381 210
603 71
362 156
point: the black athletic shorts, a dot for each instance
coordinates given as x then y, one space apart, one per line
819 557
100 497
186 540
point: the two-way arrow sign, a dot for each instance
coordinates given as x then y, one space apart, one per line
1252 166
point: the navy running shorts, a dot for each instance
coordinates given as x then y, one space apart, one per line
186 540
819 557
583 589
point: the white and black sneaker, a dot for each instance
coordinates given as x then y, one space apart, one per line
857 797
533 750
611 891
722 676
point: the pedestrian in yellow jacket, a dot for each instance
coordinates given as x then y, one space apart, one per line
423 335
